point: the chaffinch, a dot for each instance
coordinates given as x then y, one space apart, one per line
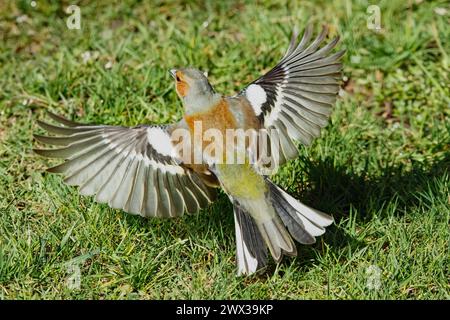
139 171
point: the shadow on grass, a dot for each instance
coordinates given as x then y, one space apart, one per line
332 189
335 190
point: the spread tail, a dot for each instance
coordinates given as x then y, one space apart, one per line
280 217
254 236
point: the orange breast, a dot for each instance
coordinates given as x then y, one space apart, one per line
218 117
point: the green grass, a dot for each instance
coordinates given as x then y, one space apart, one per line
381 167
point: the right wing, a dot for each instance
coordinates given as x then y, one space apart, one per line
132 169
296 97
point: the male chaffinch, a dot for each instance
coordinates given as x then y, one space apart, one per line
137 170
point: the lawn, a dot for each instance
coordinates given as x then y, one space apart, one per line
381 167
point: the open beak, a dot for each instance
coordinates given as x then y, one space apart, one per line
173 73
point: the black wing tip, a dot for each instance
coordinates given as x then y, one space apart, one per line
308 32
54 170
64 121
42 124
41 138
55 117
47 126
335 40
66 124
325 28
41 152
309 27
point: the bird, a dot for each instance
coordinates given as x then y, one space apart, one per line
137 169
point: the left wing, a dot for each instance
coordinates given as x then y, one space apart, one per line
133 169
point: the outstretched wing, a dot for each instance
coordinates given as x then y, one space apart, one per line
297 95
129 168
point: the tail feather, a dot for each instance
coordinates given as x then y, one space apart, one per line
295 227
277 239
304 223
251 254
272 222
315 216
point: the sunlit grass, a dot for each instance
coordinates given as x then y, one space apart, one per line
381 167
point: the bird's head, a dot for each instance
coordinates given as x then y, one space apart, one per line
193 88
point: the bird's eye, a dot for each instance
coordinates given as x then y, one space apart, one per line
178 78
